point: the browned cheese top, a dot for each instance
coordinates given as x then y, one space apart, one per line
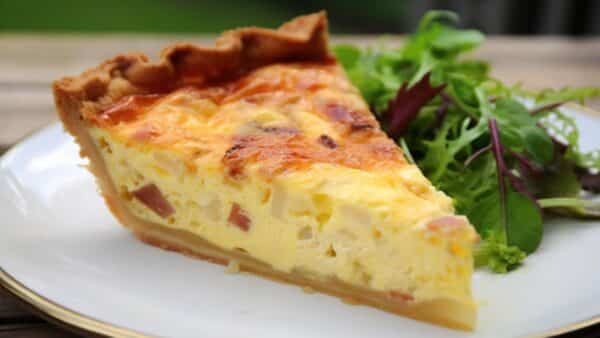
283 116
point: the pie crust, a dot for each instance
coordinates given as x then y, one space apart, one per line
236 51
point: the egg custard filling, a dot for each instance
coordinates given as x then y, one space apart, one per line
261 152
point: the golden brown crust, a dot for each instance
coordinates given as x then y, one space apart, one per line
183 64
235 51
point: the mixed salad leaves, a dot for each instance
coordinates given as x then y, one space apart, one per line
504 164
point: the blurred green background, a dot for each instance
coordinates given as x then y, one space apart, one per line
563 17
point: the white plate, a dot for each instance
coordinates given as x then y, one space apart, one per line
58 241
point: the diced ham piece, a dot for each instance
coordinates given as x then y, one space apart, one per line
151 197
239 217
446 223
401 296
145 133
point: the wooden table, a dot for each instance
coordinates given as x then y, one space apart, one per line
28 64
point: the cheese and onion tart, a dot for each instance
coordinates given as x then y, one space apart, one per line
259 151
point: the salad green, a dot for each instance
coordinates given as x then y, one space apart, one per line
504 164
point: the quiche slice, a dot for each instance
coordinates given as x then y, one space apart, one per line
259 153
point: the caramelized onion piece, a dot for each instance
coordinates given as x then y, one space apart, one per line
151 197
239 217
327 141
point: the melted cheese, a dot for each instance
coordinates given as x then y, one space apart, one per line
349 207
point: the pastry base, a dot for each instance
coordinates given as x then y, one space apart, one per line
443 312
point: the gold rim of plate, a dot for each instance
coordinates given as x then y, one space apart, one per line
85 322
81 321
61 313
